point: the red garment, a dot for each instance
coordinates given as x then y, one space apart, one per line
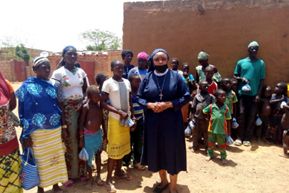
4 91
212 88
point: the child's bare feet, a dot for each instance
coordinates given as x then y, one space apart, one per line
284 155
89 184
224 161
98 181
208 158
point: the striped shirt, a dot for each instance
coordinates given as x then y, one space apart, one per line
138 111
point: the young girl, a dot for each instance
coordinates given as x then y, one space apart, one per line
265 110
274 130
118 90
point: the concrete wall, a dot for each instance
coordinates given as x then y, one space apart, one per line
222 28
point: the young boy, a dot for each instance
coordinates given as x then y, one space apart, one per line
90 132
201 100
137 134
219 125
285 126
209 72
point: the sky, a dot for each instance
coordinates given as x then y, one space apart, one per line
52 25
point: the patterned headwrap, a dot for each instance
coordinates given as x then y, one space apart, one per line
4 91
142 55
152 67
62 62
254 43
203 56
126 52
39 60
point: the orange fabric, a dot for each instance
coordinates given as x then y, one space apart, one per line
11 90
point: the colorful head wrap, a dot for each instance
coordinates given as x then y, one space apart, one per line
126 52
39 60
252 44
66 49
4 91
142 55
203 56
152 67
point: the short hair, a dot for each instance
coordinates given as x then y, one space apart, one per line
92 89
203 81
234 80
209 68
99 77
218 92
132 76
126 52
284 87
176 59
222 80
185 64
113 62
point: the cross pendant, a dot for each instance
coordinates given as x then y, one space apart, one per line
161 96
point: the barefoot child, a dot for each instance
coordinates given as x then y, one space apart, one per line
219 126
136 135
274 130
285 126
201 100
209 72
90 132
118 90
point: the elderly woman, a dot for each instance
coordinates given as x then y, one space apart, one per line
73 82
10 163
162 94
203 58
40 116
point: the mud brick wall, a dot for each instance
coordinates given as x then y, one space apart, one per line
7 69
222 28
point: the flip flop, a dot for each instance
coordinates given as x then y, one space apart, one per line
99 182
159 188
84 180
124 177
110 188
68 184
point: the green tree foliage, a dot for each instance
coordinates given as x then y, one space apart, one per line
22 53
101 40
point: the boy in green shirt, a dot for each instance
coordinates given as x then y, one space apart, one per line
219 126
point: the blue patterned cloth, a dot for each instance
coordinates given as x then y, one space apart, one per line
38 108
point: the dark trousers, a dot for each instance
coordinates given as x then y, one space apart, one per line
247 117
200 127
136 143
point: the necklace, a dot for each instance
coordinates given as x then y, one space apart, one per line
161 89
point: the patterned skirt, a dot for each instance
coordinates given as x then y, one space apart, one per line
118 139
75 167
10 168
49 151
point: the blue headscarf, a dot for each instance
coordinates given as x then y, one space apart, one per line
62 62
152 67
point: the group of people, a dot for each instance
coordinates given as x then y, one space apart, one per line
137 116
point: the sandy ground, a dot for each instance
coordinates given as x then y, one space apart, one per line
250 169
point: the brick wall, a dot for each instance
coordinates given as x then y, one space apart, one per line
7 69
220 27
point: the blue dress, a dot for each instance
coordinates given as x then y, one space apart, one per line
164 141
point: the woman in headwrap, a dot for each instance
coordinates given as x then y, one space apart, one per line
74 85
203 58
162 94
127 57
10 163
141 69
40 116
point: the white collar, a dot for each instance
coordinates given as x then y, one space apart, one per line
160 74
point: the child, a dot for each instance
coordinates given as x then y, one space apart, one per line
137 134
264 112
142 62
274 130
117 89
231 98
234 85
201 100
175 65
90 132
209 72
285 126
191 83
219 125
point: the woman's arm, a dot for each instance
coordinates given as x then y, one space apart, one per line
103 102
12 102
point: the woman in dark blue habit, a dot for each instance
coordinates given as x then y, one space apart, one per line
162 94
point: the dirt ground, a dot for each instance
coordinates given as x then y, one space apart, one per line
250 169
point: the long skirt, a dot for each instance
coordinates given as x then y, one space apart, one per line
49 152
118 139
10 168
75 167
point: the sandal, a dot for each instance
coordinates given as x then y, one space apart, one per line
99 182
124 177
84 180
139 167
238 142
159 188
68 184
110 188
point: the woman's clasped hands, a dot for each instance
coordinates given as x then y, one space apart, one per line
159 107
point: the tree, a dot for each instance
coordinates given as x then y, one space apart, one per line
22 53
101 40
